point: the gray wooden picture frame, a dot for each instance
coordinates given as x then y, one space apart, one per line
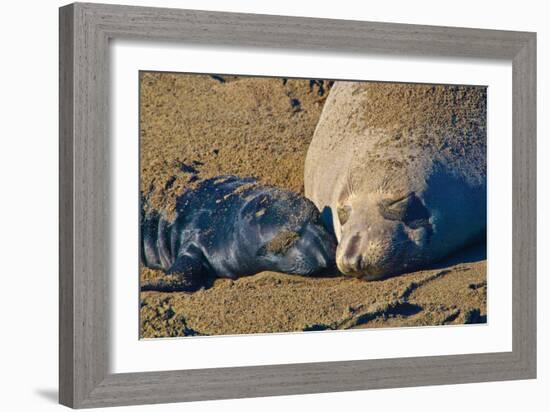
85 31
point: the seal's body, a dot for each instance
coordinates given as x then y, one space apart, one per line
399 172
231 227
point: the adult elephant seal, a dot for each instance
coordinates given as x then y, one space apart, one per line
231 227
399 172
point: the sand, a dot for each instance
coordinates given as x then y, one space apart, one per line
245 126
210 126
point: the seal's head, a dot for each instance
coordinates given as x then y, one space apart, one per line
381 234
308 251
290 235
403 227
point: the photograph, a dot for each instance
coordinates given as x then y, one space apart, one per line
268 206
271 205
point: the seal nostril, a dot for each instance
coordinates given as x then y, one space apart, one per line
353 246
357 262
352 262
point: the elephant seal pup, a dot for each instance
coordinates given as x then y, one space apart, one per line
231 227
399 172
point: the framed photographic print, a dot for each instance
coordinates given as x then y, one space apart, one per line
257 205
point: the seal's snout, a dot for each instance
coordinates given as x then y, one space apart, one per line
319 244
348 258
312 252
370 255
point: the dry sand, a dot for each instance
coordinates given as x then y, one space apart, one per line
262 127
246 126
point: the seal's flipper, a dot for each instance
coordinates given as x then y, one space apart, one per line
185 275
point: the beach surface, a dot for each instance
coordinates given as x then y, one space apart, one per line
206 126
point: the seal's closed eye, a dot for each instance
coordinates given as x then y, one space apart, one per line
343 214
408 209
